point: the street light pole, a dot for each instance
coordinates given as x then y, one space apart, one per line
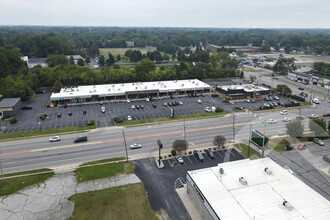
1 166
125 146
249 140
234 128
185 135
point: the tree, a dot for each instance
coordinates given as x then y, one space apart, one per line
143 68
256 42
128 53
166 57
284 90
101 61
92 50
252 78
287 49
219 141
81 62
265 48
57 86
284 65
56 59
241 74
295 129
179 145
118 57
87 60
136 56
110 61
329 126
319 126
71 61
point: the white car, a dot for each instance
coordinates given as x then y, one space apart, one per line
284 112
248 100
133 107
207 109
181 103
136 146
129 118
199 101
55 138
147 99
179 159
266 105
286 119
313 116
271 121
103 109
316 100
128 100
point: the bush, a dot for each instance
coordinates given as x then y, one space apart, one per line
310 138
173 152
55 105
13 121
218 110
204 150
190 152
48 105
162 157
169 155
91 122
5 117
43 117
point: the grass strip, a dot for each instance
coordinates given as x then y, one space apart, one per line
104 161
103 171
117 203
244 150
27 172
46 131
164 119
12 185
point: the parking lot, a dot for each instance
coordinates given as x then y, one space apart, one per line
28 119
258 103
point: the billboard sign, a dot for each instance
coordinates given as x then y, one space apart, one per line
258 138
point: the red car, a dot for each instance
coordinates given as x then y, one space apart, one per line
326 115
189 95
169 104
301 88
301 146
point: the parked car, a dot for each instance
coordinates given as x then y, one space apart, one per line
137 107
177 103
210 154
253 100
247 100
266 99
80 139
59 114
133 106
136 146
154 105
271 104
165 104
170 104
271 121
26 107
70 113
79 104
129 118
207 109
316 100
198 155
276 97
199 101
142 106
54 139
181 103
270 98
286 119
65 105
284 112
173 103
101 102
103 109
301 88
319 141
280 103
179 159
147 99
312 116
214 95
266 105
301 146
226 100
84 111
326 115
128 100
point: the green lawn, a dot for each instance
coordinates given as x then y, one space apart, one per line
243 148
45 131
103 171
117 203
115 51
277 144
104 161
12 185
155 120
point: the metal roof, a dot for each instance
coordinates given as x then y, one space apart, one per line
9 102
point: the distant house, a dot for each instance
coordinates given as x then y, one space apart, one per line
129 43
75 58
281 50
37 61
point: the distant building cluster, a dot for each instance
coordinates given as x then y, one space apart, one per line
32 62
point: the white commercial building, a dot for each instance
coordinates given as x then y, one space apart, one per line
253 189
129 90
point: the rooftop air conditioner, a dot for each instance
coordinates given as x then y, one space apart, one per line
94 86
182 84
145 87
136 87
164 86
268 171
109 89
113 85
118 89
287 205
94 90
221 171
243 181
90 91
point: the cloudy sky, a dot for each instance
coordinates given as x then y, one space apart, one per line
168 13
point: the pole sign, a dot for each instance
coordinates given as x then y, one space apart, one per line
160 144
172 112
258 138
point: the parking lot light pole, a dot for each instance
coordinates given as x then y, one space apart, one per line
160 146
1 167
125 146
185 135
234 128
249 140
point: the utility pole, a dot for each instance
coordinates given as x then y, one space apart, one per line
249 140
125 146
185 135
263 142
234 128
1 166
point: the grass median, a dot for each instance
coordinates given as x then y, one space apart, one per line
246 152
166 119
122 202
103 171
12 185
47 131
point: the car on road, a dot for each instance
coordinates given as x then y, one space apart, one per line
326 115
103 109
70 113
128 100
312 116
84 111
301 88
199 101
136 146
26 107
165 104
133 106
198 155
316 100
271 121
59 114
286 119
80 139
247 100
129 118
54 139
210 154
207 109
319 141
284 112
142 106
301 146
179 159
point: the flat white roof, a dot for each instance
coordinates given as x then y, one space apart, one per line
246 87
122 88
263 195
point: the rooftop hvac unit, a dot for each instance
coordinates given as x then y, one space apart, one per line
118 89
94 86
243 181
94 90
109 89
136 87
268 171
287 205
132 84
164 86
145 87
182 84
193 82
113 85
90 91
221 171
196 84
77 90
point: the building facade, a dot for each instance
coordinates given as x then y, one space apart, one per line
245 91
10 107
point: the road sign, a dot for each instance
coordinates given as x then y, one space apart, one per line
264 123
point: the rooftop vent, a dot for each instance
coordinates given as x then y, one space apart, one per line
109 89
196 84
221 171
113 85
94 86
268 171
90 91
193 82
164 86
118 89
145 87
94 90
287 205
182 84
133 84
243 181
136 87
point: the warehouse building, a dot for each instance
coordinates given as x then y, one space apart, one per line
10 107
253 189
135 90
244 91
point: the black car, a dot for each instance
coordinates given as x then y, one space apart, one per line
142 107
79 104
171 97
198 155
177 103
26 107
173 103
154 105
70 113
210 154
59 114
137 107
80 139
84 111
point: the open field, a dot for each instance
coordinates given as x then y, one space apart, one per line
123 202
115 51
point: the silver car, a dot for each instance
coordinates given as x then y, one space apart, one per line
179 159
136 146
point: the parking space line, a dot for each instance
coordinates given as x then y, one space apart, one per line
219 154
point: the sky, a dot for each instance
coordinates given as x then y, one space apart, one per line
168 13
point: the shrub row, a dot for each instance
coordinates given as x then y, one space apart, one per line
13 121
297 98
118 120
